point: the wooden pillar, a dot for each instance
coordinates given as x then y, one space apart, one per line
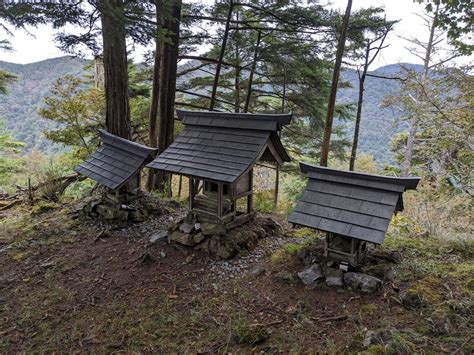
191 193
220 197
250 196
277 185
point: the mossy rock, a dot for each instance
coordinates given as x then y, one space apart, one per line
423 293
249 334
369 308
376 349
42 207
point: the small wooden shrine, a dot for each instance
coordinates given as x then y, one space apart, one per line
352 208
116 165
217 152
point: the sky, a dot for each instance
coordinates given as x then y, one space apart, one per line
39 44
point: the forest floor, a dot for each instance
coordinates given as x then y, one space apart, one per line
65 287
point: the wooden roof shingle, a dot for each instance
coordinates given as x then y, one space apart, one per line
221 146
116 160
352 204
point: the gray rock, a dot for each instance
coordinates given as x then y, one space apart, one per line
224 251
363 282
374 337
256 270
186 228
112 212
138 215
334 277
286 277
310 275
182 238
159 238
209 229
198 238
162 254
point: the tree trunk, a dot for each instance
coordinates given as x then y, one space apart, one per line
221 57
252 71
414 119
335 80
277 169
359 108
237 69
117 112
167 92
99 72
153 117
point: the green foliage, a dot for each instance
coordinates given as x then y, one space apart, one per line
5 79
48 178
10 163
293 185
79 110
454 17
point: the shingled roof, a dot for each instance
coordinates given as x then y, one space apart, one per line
223 146
116 160
348 203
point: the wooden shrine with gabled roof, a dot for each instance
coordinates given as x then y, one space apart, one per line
116 165
352 208
217 152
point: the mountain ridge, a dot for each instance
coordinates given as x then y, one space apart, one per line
19 108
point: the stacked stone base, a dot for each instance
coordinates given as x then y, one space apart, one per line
217 241
137 211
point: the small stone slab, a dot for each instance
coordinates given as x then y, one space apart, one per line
334 277
363 282
310 275
209 229
256 270
186 228
183 238
159 238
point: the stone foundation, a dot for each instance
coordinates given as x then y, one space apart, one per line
215 240
136 211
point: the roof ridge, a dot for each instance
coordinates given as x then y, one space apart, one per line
409 182
104 135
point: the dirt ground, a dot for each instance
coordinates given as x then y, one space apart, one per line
68 286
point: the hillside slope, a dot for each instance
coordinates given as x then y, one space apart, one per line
19 108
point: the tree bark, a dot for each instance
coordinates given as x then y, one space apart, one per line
153 117
167 92
117 112
360 101
252 71
221 57
414 119
237 69
333 93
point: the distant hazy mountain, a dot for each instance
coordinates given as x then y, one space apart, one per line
378 125
19 107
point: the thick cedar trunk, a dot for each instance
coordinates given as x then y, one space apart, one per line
153 117
221 57
117 113
252 71
333 93
277 171
167 92
414 119
237 69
